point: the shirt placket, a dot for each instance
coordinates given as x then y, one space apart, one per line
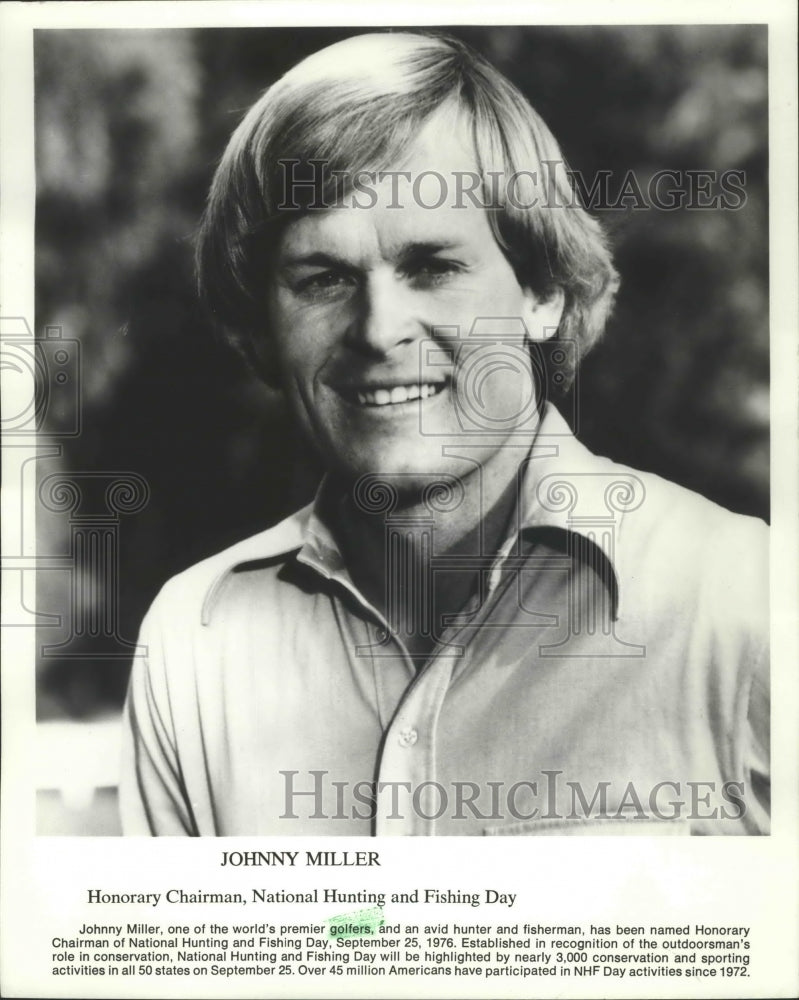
408 798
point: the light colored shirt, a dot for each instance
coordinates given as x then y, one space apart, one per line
610 675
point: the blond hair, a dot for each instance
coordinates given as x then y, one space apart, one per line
357 106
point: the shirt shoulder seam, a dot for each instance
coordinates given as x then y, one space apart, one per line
201 583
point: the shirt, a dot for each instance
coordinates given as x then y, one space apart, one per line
610 675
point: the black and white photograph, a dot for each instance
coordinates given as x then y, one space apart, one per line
413 572
408 453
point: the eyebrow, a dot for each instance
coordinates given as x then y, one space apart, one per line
317 258
410 251
425 248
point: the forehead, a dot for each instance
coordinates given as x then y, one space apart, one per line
421 197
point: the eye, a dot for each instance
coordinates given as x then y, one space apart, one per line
429 272
324 285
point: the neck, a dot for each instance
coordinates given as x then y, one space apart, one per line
385 573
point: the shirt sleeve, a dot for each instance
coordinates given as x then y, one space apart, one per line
745 596
758 742
152 794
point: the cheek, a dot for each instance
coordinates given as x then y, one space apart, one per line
307 339
495 386
295 346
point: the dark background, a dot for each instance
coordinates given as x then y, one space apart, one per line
129 127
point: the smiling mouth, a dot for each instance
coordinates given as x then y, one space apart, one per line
392 395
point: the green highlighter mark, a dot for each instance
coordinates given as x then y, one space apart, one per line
359 923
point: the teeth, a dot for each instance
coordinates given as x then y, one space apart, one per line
398 394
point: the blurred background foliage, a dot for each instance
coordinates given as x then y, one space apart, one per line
129 127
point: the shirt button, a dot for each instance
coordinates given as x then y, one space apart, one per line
382 635
408 737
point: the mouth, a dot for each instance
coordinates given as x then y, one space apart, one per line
390 395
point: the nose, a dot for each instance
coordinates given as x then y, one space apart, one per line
385 318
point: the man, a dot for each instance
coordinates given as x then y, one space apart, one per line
478 627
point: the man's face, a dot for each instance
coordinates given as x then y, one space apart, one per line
371 310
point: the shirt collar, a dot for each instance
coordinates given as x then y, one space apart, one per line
562 485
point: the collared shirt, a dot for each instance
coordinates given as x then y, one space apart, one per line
610 675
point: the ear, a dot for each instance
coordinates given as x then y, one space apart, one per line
542 316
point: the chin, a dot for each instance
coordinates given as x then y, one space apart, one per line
416 467
392 479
